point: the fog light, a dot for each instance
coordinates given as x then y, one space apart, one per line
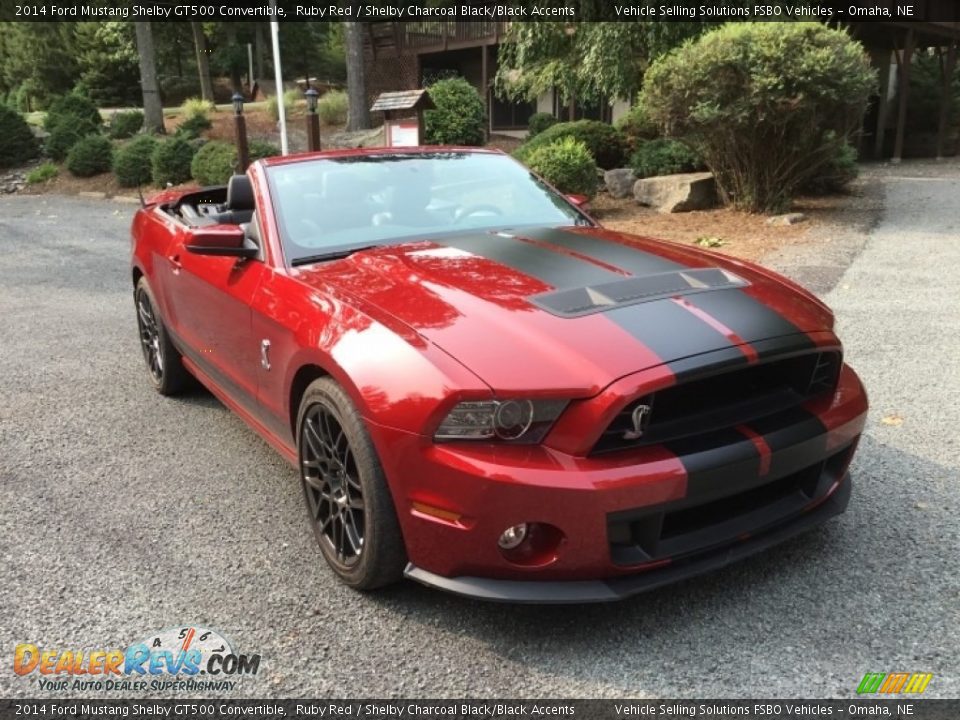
513 536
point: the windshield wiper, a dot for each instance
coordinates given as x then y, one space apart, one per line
332 255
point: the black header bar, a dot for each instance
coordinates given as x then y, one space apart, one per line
841 11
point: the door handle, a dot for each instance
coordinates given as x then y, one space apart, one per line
175 263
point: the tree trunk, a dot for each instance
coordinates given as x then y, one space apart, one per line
358 117
258 46
236 81
152 109
203 61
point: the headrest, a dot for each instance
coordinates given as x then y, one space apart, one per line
240 193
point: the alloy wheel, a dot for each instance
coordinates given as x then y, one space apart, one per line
149 336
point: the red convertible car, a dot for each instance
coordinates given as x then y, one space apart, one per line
484 390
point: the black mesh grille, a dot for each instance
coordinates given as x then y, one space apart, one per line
724 400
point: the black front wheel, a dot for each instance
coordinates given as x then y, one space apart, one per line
164 362
348 501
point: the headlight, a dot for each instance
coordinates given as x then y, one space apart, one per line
515 420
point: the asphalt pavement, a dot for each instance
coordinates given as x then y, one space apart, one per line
124 513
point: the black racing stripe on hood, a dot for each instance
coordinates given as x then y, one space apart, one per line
632 259
553 268
745 315
669 331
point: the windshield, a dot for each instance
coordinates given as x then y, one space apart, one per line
330 205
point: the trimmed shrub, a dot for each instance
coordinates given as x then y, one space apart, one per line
539 122
193 126
767 105
459 115
170 162
72 109
605 143
567 165
64 136
92 155
637 126
332 107
17 143
834 176
126 124
197 106
664 157
214 163
132 162
262 149
42 173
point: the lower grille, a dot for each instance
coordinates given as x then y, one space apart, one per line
681 528
724 400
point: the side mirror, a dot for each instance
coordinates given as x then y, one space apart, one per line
578 200
224 240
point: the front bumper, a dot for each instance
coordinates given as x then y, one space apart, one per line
628 521
589 591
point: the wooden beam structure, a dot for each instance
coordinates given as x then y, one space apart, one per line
946 98
903 90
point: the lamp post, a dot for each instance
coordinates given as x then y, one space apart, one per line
313 120
240 133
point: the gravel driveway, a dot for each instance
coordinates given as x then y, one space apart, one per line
123 512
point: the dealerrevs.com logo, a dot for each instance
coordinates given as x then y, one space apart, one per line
181 658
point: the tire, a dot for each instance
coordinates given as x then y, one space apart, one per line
164 362
348 502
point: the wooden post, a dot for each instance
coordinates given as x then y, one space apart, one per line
946 98
882 105
313 132
243 149
903 88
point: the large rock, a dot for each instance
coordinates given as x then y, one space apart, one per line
677 193
619 182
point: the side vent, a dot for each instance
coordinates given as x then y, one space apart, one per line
825 374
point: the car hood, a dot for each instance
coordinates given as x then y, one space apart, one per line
572 308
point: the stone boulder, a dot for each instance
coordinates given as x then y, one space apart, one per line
619 182
677 193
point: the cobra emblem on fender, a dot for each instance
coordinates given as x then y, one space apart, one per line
641 419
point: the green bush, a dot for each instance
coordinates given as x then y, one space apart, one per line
539 122
459 115
126 124
637 126
834 176
262 149
17 143
926 88
42 173
197 106
132 163
64 136
664 157
170 162
767 105
567 165
214 163
72 109
92 155
273 108
193 126
332 107
605 143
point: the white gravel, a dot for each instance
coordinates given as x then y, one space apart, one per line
123 512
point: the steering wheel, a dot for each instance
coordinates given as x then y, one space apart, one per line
481 209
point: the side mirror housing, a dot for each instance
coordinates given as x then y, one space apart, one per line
579 200
223 240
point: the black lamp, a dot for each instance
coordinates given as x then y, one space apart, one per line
312 95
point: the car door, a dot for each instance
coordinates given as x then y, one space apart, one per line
211 298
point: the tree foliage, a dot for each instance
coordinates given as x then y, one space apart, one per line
767 105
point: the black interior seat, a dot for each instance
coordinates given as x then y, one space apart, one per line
239 206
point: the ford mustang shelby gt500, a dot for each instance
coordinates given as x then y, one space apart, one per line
486 391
